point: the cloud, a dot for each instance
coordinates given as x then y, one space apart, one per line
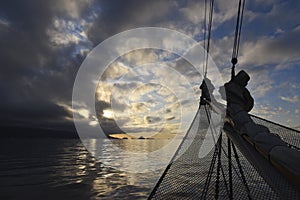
260 83
292 99
266 50
265 17
35 75
117 16
73 9
139 57
269 111
261 58
136 104
4 23
194 12
223 11
37 112
281 114
115 71
152 119
43 44
64 32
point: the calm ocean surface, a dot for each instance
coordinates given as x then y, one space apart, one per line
64 169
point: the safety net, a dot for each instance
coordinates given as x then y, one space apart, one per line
233 169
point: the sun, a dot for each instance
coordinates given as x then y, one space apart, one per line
108 114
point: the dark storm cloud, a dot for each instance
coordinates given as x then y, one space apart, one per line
34 75
117 16
41 111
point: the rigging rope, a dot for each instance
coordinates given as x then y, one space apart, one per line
230 169
207 46
241 171
210 173
204 36
237 35
218 167
234 60
218 149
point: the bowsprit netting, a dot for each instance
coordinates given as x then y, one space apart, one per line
291 136
244 175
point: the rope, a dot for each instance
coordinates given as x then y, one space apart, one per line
231 166
217 154
230 169
240 28
241 171
207 47
218 149
237 35
204 34
210 173
234 60
224 178
211 126
218 167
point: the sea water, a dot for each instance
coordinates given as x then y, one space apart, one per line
63 169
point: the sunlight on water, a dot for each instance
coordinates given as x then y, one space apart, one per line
132 155
63 169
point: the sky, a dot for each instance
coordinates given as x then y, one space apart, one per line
43 44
